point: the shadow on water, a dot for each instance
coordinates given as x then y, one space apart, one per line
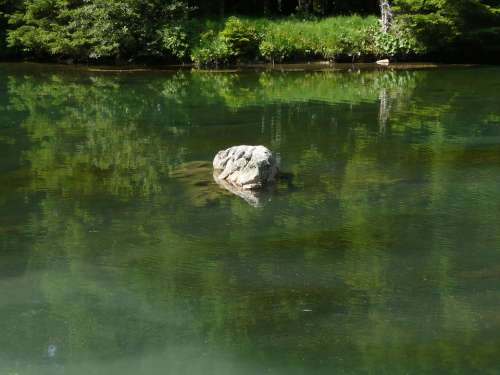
203 185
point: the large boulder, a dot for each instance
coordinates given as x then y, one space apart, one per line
246 167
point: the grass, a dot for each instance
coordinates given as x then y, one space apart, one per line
288 39
330 38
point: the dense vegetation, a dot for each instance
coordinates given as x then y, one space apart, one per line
222 32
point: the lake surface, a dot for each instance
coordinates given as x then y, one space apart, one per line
378 254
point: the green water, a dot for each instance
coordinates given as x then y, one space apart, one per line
378 254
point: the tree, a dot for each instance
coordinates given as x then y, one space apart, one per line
385 15
7 7
443 26
97 29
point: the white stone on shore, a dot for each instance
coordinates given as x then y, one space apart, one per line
383 62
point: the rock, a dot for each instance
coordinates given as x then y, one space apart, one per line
383 62
245 167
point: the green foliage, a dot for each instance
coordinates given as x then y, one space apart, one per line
239 39
165 30
400 42
36 28
277 45
432 32
175 40
328 38
287 39
211 50
7 7
443 25
99 29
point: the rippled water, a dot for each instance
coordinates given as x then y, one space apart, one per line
378 254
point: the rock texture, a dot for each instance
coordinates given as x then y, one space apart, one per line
245 167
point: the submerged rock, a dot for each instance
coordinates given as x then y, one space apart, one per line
199 186
245 167
245 171
203 188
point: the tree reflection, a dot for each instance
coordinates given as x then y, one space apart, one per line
133 249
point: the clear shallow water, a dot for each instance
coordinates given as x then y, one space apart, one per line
118 255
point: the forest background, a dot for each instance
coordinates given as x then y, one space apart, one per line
223 32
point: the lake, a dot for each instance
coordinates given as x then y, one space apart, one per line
379 253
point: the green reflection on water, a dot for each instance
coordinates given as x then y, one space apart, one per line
119 255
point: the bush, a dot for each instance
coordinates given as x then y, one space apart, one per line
211 50
284 40
239 39
431 32
331 38
445 28
400 42
277 45
132 30
100 29
175 41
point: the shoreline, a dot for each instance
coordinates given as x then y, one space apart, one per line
316 66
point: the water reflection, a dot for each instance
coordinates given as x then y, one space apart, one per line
380 257
51 351
255 198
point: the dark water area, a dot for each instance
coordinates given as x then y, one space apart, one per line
380 254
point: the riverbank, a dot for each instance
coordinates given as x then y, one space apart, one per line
286 67
181 32
333 39
214 42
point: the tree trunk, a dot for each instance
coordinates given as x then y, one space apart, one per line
385 15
